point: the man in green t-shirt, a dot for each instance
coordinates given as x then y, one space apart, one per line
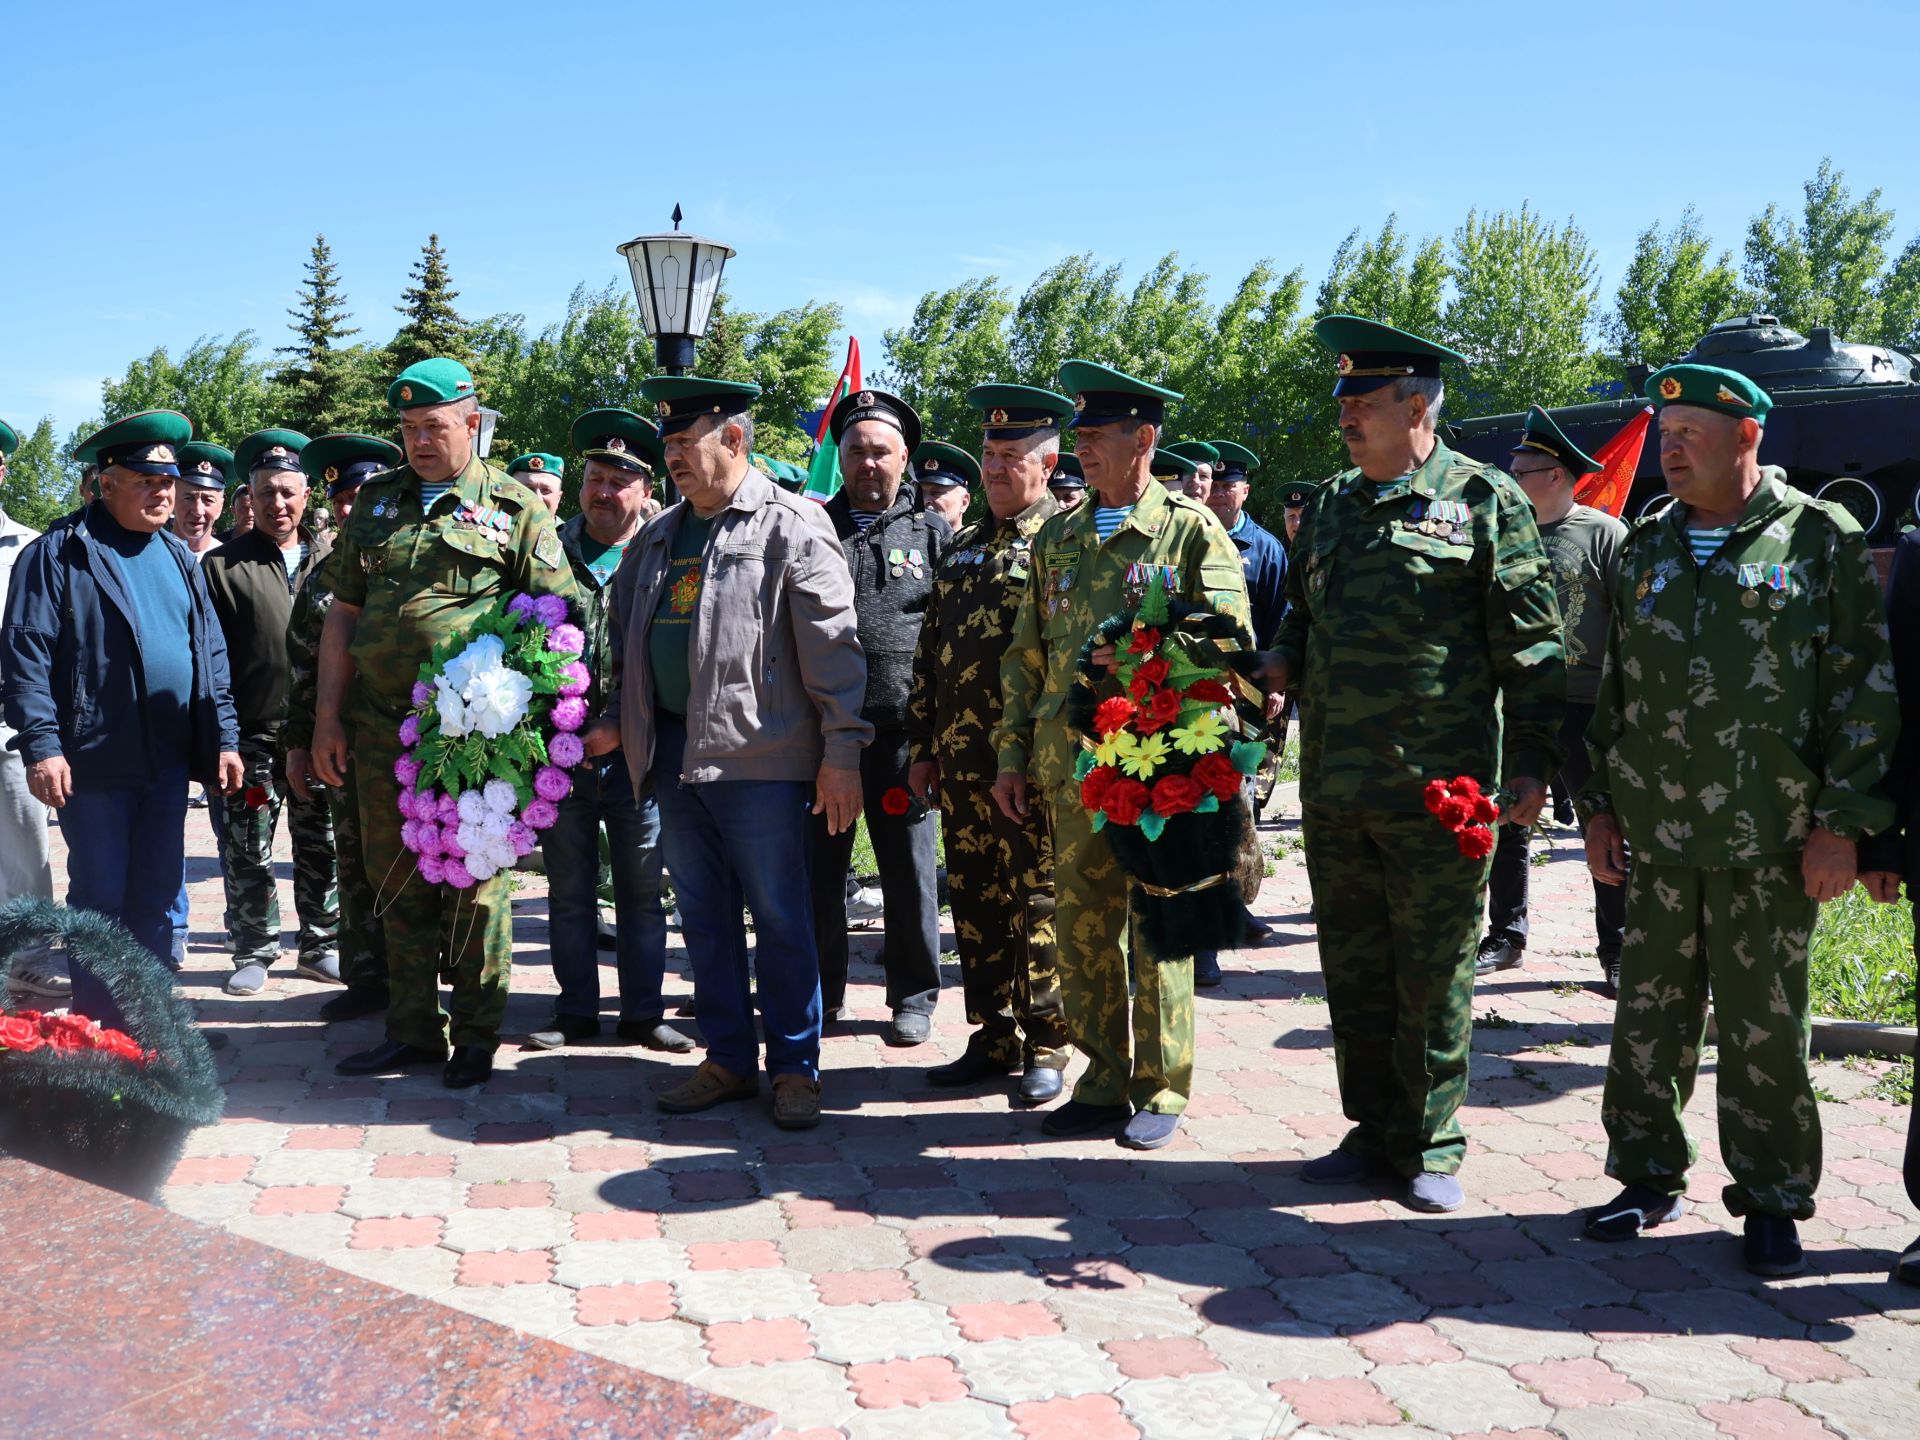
1583 551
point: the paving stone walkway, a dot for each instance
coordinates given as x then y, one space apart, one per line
930 1266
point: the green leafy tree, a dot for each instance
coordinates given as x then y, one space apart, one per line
1825 268
789 355
432 327
1900 301
1065 314
218 384
955 340
325 384
39 487
1387 279
1674 291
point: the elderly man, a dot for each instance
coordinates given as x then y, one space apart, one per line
542 474
342 463
206 470
946 475
432 547
25 870
1424 642
1583 549
252 580
1133 1023
1000 871
1067 484
1262 558
620 450
736 690
1197 482
892 546
1746 717
109 608
1295 496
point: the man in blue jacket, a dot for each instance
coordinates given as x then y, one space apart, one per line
116 684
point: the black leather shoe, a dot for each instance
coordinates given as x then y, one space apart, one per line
1206 970
976 1063
1496 954
355 1001
1610 976
470 1065
1077 1117
1772 1246
909 1027
655 1035
387 1056
565 1030
1041 1085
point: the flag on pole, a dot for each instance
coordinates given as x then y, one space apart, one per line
823 476
1606 489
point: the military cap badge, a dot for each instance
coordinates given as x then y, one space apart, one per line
614 442
331 474
1079 404
866 399
663 409
930 464
997 417
276 452
1670 388
536 463
1342 364
406 392
1727 397
160 455
203 467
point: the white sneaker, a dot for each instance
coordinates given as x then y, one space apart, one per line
179 951
865 906
41 971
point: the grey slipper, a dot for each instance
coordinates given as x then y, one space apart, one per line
249 979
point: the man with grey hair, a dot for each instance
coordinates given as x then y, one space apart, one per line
1423 638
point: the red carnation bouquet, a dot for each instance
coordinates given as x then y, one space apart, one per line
1466 810
25 1031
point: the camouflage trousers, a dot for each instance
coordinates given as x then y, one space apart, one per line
1741 936
1399 919
363 940
253 899
1000 877
1136 1030
430 930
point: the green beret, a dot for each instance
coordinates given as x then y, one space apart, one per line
1198 451
431 382
1369 354
616 437
1103 395
538 461
1167 464
1541 435
268 450
205 465
1296 493
1009 411
145 442
9 439
937 463
1711 388
679 400
344 461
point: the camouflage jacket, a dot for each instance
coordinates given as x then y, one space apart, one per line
418 578
595 600
1073 583
247 580
970 617
1745 701
1420 612
311 601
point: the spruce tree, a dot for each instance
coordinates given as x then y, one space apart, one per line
323 385
433 327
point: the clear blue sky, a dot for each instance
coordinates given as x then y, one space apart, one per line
166 167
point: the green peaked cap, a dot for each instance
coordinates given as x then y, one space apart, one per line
430 382
935 462
344 460
268 450
1067 473
679 400
146 442
617 437
204 464
1009 411
1369 354
1298 492
538 461
9 438
1198 451
1540 434
1711 388
1168 462
1103 395
1235 460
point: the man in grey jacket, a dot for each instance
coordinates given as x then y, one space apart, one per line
736 687
893 546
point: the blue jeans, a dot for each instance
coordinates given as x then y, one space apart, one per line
603 795
217 817
125 847
730 842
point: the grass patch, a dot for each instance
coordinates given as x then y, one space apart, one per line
1896 1086
1862 962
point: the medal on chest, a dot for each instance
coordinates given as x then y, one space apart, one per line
1141 577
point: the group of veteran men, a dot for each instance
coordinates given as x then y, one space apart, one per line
765 669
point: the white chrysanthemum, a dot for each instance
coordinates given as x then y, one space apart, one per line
493 826
497 701
486 653
501 797
473 808
481 867
468 836
453 710
499 853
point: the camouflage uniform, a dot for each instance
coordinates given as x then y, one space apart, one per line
416 580
1743 702
1421 611
999 872
1140 1052
362 940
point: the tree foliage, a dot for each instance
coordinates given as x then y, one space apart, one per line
1827 268
431 326
38 489
324 384
1674 291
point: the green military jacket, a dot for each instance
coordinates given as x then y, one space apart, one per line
1745 701
1073 583
247 581
1420 612
419 578
970 618
308 615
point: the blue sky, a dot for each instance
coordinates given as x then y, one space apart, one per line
166 167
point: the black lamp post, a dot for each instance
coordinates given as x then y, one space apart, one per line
675 278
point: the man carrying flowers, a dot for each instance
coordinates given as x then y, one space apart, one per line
432 547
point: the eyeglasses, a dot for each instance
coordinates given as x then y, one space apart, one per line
1535 470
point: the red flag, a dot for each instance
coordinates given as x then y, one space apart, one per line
823 476
1606 489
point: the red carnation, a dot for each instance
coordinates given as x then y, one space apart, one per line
1465 785
1455 811
1160 712
1145 638
896 801
1112 714
1153 671
1209 692
1125 800
1476 842
1217 773
256 797
1485 812
1095 786
1435 795
1177 794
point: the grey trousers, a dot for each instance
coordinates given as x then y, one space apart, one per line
23 832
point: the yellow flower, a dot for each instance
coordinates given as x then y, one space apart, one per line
1147 754
1116 747
1204 733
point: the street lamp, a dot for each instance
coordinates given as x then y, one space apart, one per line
676 278
483 442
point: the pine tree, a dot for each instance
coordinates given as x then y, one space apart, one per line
324 385
433 327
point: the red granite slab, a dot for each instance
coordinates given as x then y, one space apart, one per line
136 1324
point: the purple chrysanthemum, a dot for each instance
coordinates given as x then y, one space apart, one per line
406 770
521 835
569 713
432 870
566 751
550 610
566 640
431 839
422 694
551 783
520 605
447 810
410 731
574 678
458 876
410 834
541 814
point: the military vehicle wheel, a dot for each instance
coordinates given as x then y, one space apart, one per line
1858 498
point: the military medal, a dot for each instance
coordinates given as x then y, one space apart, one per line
1749 598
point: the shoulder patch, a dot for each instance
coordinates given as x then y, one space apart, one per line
513 492
1838 516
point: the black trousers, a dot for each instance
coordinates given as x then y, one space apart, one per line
1507 885
904 849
